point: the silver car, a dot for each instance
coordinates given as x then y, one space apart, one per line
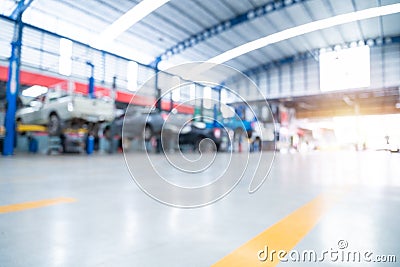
56 107
147 122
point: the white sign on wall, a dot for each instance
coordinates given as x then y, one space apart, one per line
345 69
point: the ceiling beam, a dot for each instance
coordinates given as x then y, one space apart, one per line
302 56
225 25
304 29
20 8
128 19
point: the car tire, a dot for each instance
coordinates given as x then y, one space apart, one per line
54 125
18 122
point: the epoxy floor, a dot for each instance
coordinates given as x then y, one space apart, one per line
100 217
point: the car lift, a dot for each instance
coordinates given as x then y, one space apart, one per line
71 140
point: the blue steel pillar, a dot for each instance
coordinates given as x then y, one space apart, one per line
13 87
220 88
171 102
154 65
91 80
201 108
158 90
215 116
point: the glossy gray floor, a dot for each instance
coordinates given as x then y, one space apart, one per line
113 223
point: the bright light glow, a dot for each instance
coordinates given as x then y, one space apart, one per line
7 7
192 91
35 91
128 52
166 65
224 96
131 17
176 94
175 87
227 111
207 94
370 130
228 97
65 63
344 69
132 75
303 29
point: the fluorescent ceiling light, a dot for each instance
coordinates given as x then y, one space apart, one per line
192 91
34 91
207 97
65 60
128 19
303 29
132 75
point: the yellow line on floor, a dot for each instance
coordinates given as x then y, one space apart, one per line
35 204
284 235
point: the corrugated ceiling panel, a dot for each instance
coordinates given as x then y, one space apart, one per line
157 22
391 24
341 7
239 6
177 20
316 39
392 63
317 9
332 36
350 31
298 14
182 19
6 35
216 10
389 2
370 27
376 67
364 4
280 20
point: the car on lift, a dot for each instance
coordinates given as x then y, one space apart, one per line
140 122
147 122
239 123
56 109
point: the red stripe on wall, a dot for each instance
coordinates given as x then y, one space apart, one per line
29 78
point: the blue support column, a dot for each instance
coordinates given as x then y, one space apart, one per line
13 87
104 63
215 117
280 79
218 89
171 102
305 73
268 91
219 100
91 90
201 108
158 90
21 7
291 79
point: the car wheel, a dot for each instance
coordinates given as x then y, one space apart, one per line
18 122
54 125
148 133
